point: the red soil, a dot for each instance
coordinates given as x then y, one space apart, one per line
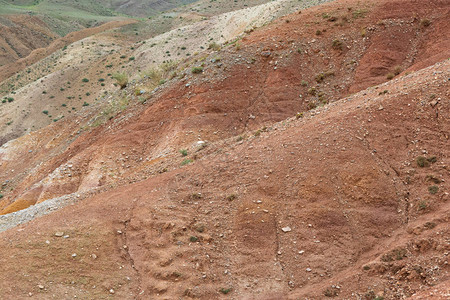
364 221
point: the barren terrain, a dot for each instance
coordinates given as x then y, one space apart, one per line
306 159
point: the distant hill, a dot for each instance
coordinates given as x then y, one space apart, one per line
86 9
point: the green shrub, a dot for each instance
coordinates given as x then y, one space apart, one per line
186 162
10 99
85 80
121 79
425 162
184 152
45 112
422 205
433 189
225 291
197 70
337 44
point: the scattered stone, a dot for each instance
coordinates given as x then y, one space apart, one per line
41 286
74 255
111 291
286 229
59 234
308 270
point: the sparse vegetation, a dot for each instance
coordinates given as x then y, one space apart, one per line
321 76
337 44
214 46
422 205
184 152
225 291
396 254
425 162
433 189
359 13
121 79
197 70
186 162
390 76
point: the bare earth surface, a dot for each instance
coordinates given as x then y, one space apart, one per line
307 174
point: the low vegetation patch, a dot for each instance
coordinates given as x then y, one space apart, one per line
186 162
337 44
425 162
197 70
433 189
121 79
225 291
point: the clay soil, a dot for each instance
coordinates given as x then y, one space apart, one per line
318 178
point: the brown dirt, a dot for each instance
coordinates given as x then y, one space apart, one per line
19 35
345 178
38 53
